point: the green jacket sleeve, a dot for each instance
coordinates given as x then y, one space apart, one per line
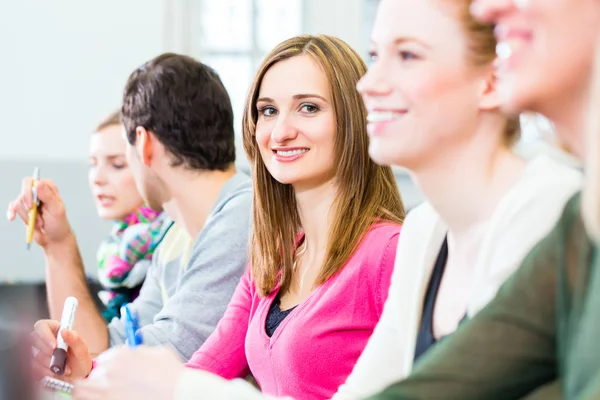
508 350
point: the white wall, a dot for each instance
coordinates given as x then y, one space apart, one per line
64 65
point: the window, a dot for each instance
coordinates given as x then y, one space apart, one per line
234 36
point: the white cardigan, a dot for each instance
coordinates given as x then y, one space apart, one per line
523 217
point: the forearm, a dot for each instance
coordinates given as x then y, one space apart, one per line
66 277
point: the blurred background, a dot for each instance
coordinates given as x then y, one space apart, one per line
65 63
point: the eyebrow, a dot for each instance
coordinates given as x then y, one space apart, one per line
295 97
109 156
406 39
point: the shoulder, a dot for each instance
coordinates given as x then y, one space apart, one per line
378 245
420 223
538 200
236 191
548 178
380 233
234 205
173 244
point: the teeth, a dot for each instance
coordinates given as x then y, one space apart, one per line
503 50
289 153
380 116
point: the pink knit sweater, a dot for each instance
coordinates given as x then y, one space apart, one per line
316 346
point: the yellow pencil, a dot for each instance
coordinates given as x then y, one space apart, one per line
34 208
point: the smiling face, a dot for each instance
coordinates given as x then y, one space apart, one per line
545 52
110 178
422 90
296 126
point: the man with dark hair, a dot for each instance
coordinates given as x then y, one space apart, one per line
178 121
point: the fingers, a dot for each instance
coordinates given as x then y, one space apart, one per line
77 346
79 361
48 195
44 332
40 370
40 344
22 204
17 208
26 196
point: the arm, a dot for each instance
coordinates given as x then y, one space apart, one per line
224 351
506 351
64 267
65 277
202 291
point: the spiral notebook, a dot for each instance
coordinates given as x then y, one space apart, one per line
61 389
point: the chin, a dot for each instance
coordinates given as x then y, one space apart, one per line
285 180
381 154
515 93
107 215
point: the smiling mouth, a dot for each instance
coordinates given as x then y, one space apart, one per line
290 153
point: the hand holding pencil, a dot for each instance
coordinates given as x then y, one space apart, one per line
33 211
42 210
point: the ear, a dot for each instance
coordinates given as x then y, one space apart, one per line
490 97
144 143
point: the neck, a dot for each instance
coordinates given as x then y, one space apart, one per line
467 183
193 195
315 210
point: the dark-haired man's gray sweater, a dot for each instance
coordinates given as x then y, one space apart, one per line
190 283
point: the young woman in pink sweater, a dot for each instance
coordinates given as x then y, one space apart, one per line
325 232
326 225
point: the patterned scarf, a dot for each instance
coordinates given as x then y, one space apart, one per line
124 257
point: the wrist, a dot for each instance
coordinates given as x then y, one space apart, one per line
60 248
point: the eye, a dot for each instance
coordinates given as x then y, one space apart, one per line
267 111
407 55
373 56
119 165
309 108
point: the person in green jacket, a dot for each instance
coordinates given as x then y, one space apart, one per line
539 338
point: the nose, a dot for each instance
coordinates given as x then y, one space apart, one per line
284 129
98 175
374 82
488 11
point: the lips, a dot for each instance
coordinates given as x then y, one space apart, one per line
105 201
511 43
377 116
289 154
378 119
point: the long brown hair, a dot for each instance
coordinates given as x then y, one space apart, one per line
367 192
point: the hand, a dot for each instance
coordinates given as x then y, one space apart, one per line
51 223
43 338
129 374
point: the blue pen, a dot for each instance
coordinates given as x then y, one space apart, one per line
132 326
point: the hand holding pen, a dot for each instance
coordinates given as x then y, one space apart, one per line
48 223
33 211
132 326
